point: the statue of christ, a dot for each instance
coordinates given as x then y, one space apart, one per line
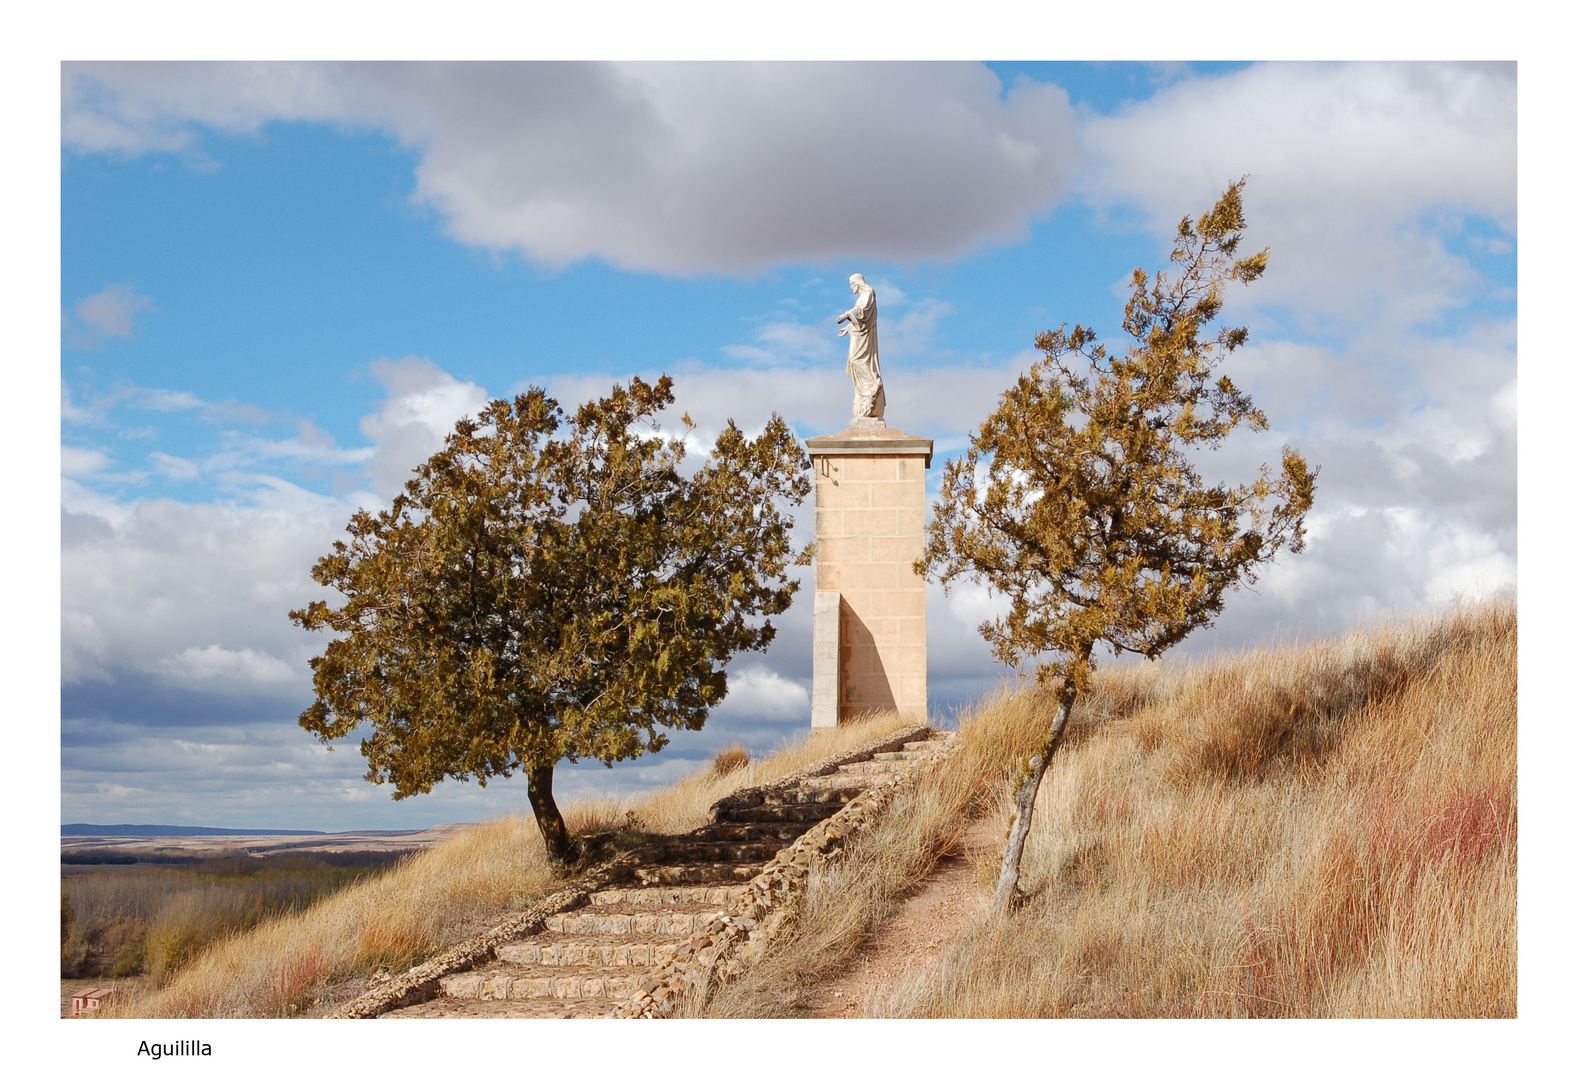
863 368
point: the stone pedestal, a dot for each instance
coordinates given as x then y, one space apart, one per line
869 634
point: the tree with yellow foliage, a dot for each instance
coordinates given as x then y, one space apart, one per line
551 587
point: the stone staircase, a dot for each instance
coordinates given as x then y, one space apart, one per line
587 962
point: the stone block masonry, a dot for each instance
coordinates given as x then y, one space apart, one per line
869 636
825 649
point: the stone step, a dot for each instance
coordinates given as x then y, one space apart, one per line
928 745
843 785
709 896
650 923
526 982
448 1008
599 951
696 873
818 789
808 813
870 768
903 755
705 851
779 832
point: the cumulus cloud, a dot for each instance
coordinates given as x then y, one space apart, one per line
1356 172
1362 177
110 313
237 670
760 693
82 461
677 168
198 591
173 617
409 426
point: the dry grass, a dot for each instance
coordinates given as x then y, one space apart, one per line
440 896
730 758
844 906
127 920
1317 831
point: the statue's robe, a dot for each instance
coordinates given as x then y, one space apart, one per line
870 399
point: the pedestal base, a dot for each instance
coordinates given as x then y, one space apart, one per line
870 603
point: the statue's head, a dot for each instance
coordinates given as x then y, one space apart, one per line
857 283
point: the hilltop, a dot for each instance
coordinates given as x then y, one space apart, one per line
1320 829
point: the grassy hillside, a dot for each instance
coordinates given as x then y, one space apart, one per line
1317 831
1326 829
438 897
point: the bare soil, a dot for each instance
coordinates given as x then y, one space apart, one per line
918 933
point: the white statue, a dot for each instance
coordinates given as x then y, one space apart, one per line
870 400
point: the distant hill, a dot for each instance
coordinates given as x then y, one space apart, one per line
81 829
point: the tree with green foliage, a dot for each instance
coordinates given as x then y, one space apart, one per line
551 588
1080 502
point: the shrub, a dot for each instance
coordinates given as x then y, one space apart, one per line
730 758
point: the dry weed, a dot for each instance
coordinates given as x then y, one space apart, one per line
729 758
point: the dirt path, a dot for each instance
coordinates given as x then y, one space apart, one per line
918 933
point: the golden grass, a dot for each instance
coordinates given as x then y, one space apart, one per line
1318 831
155 918
730 758
439 897
844 906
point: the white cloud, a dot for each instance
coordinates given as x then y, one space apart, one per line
229 669
778 342
310 446
168 400
911 333
70 411
82 461
1503 413
678 168
409 426
758 693
1357 175
83 647
1361 177
174 468
110 313
183 589
197 593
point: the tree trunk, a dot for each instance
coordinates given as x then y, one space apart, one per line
1025 790
555 837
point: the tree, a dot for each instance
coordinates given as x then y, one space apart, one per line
1080 502
536 596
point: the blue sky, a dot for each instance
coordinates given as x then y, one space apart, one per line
281 285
